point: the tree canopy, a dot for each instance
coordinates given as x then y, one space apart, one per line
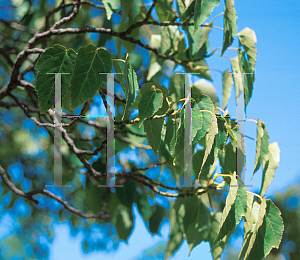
94 81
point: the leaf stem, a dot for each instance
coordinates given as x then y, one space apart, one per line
221 110
216 17
260 197
220 175
118 60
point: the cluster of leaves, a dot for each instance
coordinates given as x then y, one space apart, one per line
263 224
152 113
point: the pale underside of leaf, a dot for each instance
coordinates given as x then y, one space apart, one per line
227 84
270 164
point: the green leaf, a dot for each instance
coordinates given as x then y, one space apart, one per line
202 11
210 137
176 232
176 88
209 165
248 77
158 214
154 62
204 103
153 132
270 163
204 87
188 11
193 219
228 158
249 241
222 135
197 119
181 6
227 84
131 86
216 250
269 234
195 50
171 133
234 210
123 223
247 39
85 80
120 77
180 148
230 26
237 77
251 216
144 206
169 35
201 68
150 102
123 26
262 145
146 87
164 10
56 59
270 228
179 143
128 194
110 6
199 228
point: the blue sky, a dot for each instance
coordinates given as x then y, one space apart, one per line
275 101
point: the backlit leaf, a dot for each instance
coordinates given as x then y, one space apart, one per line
227 84
270 163
248 40
251 237
269 232
237 77
154 62
204 87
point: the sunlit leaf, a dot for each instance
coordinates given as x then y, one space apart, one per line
227 84
237 77
248 40
270 163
